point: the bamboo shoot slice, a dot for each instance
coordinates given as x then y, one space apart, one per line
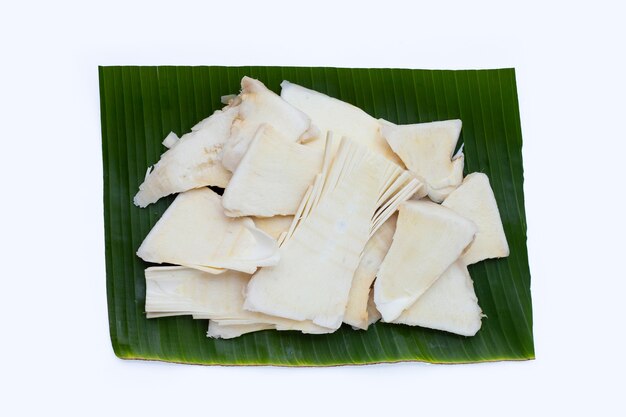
195 232
474 199
329 114
192 161
357 312
427 151
428 239
180 290
450 304
258 105
272 177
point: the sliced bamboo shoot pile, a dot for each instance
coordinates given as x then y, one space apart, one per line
427 150
329 114
323 249
176 290
192 161
450 304
428 239
230 331
272 177
257 106
474 199
357 311
195 232
326 210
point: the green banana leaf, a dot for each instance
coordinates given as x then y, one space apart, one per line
141 105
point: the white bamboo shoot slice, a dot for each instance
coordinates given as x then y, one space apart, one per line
428 239
357 314
272 177
329 114
427 150
195 232
180 290
193 161
258 105
474 199
450 304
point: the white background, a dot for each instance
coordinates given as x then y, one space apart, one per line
55 354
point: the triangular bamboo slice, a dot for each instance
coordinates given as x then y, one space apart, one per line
474 199
375 250
450 304
193 161
272 177
427 150
318 260
428 239
258 105
194 232
329 114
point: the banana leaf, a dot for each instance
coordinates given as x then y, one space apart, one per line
141 105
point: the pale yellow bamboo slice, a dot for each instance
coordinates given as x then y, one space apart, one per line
329 114
193 161
257 106
272 177
357 314
427 151
177 289
428 239
450 304
474 199
195 232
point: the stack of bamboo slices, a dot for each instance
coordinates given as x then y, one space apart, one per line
327 216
